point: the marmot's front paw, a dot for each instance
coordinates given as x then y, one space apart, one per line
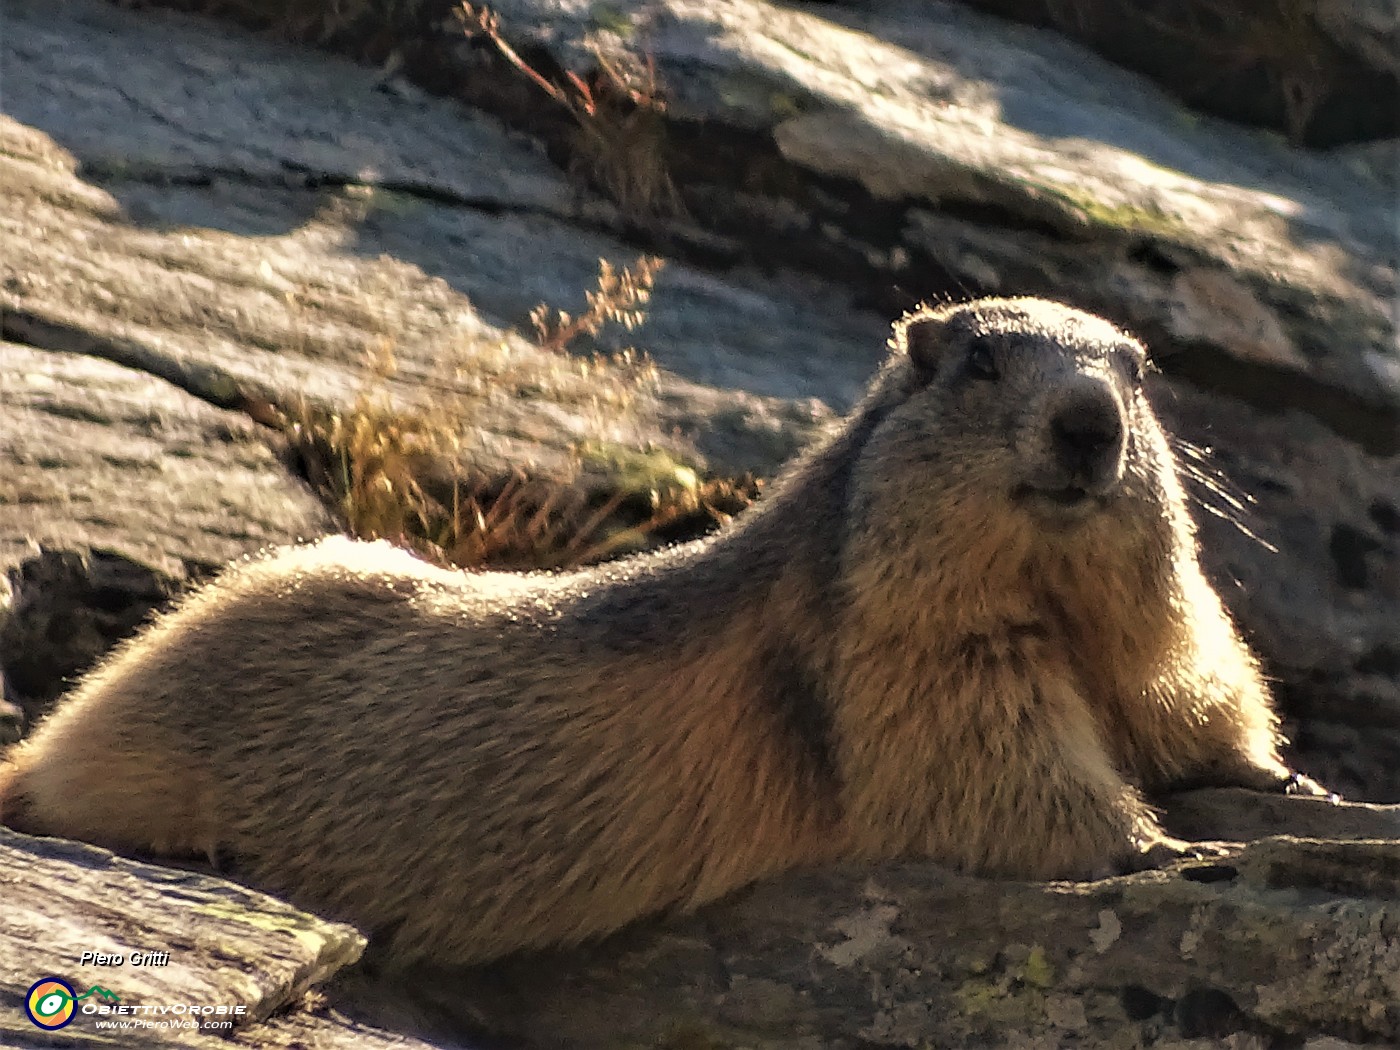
1272 777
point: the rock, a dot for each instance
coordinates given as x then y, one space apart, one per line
1378 161
184 939
1237 815
69 608
924 146
137 487
1366 28
905 955
131 206
12 723
1318 71
99 455
909 955
181 938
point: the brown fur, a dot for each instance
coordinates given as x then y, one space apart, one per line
899 653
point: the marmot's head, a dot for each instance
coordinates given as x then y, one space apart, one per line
1018 412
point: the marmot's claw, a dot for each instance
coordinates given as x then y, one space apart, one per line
1302 784
1163 852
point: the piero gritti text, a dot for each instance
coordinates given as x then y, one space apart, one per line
132 958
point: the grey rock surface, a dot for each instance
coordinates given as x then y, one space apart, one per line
904 955
1237 815
1194 232
1370 28
1322 72
1241 950
183 939
352 215
105 456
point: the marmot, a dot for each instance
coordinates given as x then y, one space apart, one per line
969 626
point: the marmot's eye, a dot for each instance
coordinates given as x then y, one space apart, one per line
982 359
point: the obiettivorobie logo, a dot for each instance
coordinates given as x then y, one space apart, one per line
52 1002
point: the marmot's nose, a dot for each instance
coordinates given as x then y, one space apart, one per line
1087 433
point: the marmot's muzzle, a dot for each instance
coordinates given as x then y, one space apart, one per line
1087 437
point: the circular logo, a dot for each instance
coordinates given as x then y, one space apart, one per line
50 1003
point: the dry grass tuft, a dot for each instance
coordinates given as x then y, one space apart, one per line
395 471
390 475
621 298
619 108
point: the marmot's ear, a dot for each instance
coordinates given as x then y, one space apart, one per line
924 338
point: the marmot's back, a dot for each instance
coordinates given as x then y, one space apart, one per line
970 625
393 744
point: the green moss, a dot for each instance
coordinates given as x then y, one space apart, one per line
996 1003
785 104
1038 971
392 202
312 933
765 95
640 470
1013 997
1127 218
612 18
